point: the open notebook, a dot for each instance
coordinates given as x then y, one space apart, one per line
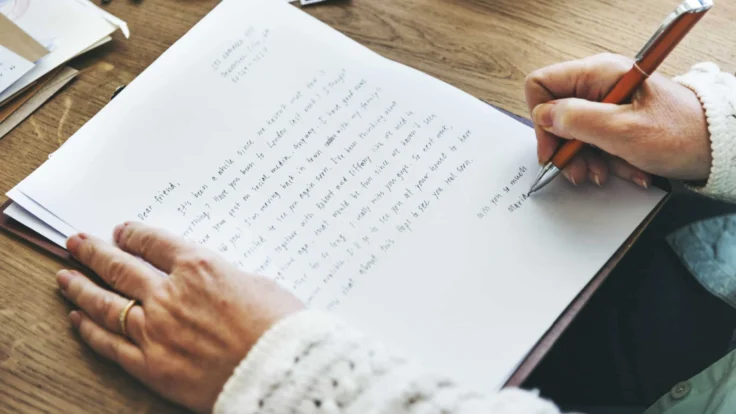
368 188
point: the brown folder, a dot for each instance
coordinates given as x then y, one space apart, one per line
22 232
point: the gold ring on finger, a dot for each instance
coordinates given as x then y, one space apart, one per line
124 316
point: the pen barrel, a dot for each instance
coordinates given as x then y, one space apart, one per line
668 41
630 82
625 87
566 152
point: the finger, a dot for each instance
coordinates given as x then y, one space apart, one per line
607 126
121 271
109 345
576 170
597 167
590 78
626 171
156 246
547 144
104 307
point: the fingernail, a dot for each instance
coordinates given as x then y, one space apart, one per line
116 233
75 318
63 278
642 183
542 115
597 180
571 178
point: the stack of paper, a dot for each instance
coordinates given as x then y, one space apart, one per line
365 187
37 38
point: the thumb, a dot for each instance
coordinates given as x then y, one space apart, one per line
607 126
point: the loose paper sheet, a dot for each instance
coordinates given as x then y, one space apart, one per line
23 216
64 27
365 187
12 67
29 104
14 38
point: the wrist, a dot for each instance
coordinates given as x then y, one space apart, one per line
716 92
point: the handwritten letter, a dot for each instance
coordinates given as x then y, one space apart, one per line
363 186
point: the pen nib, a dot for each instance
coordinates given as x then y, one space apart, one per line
545 176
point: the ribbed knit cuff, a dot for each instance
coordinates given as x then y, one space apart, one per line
717 93
310 363
271 362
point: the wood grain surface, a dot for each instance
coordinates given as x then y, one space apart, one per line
485 47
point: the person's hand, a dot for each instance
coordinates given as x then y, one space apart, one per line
663 131
194 322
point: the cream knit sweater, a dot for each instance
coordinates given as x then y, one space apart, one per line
313 363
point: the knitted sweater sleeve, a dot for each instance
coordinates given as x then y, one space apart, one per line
717 93
312 363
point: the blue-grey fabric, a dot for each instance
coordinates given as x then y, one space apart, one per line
708 249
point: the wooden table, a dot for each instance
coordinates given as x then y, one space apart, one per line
485 47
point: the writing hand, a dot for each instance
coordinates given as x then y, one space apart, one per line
663 131
192 326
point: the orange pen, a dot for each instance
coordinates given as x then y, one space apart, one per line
664 40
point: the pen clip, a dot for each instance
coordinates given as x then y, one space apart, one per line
687 6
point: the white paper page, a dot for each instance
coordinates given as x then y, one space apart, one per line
96 45
365 187
24 217
12 67
40 212
65 27
107 16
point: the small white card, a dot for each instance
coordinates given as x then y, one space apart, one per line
12 67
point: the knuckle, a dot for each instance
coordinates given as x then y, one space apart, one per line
198 261
76 289
116 270
85 332
162 294
147 244
565 115
536 80
125 235
532 78
112 349
103 305
588 83
88 252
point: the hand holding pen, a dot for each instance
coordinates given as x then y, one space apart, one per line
655 127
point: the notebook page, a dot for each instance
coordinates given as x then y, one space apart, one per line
365 187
